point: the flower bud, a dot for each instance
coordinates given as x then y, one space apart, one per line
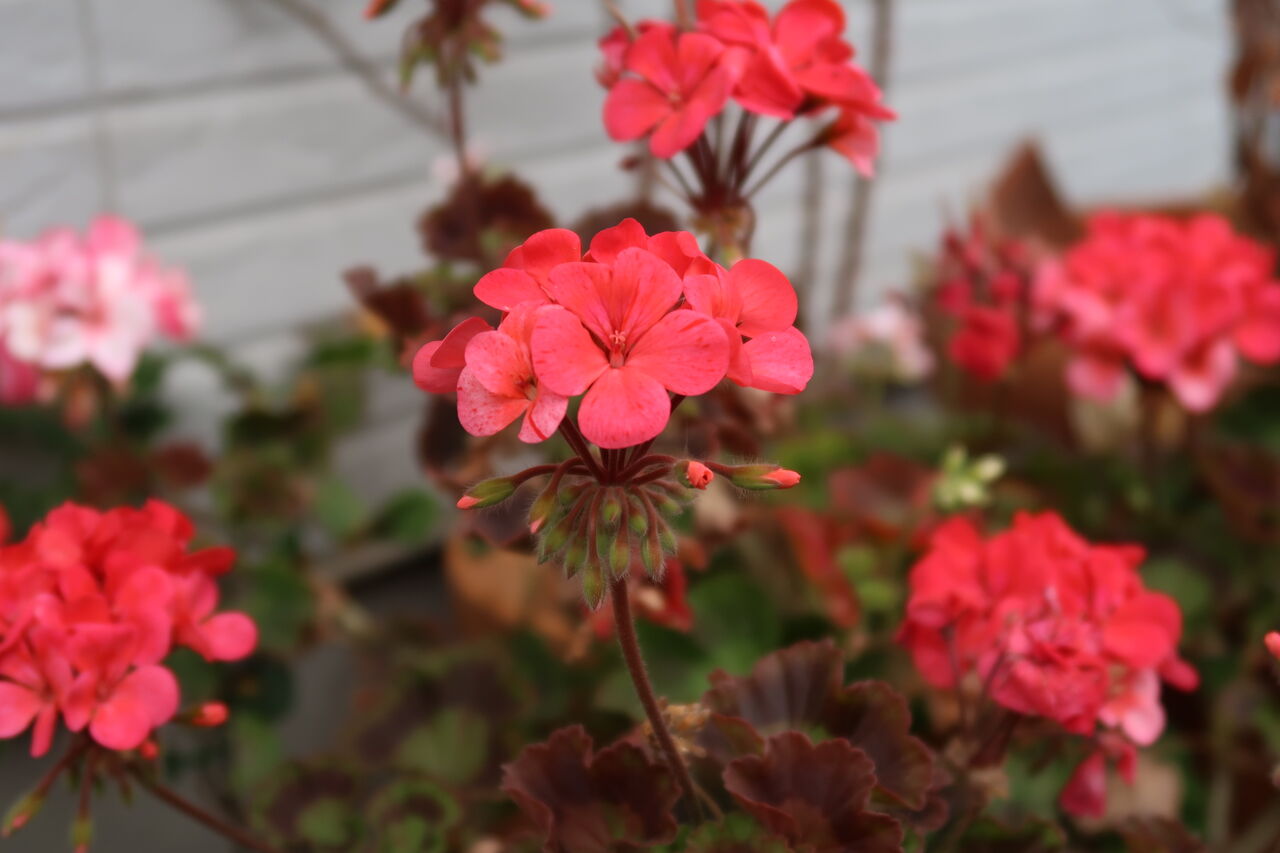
593 587
692 474
611 509
638 521
488 493
209 715
149 750
1273 643
619 556
762 477
575 557
21 812
82 833
542 510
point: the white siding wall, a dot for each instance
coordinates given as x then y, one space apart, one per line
240 143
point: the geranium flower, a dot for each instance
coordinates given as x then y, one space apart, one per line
1177 302
682 80
757 306
90 603
615 337
498 383
523 276
1053 626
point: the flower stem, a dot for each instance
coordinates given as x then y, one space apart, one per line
177 801
644 689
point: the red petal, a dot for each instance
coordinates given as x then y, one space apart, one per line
624 407
18 707
632 109
543 417
609 243
229 636
768 300
565 358
433 379
480 411
685 351
653 57
147 698
497 362
781 362
505 288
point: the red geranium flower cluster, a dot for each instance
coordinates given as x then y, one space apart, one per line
1178 301
667 84
90 604
984 282
1054 626
635 319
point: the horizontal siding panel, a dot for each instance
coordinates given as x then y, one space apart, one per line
41 59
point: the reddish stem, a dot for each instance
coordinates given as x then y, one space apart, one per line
177 801
644 689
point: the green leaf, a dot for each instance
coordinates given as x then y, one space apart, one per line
328 822
453 747
734 620
408 517
339 508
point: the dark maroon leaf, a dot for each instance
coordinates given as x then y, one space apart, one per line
799 688
874 717
786 690
616 799
815 796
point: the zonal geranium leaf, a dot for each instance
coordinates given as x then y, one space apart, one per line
874 717
412 816
815 796
799 688
317 804
616 799
786 690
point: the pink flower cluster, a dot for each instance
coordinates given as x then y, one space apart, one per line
68 300
667 84
1178 301
90 604
1054 626
636 319
983 284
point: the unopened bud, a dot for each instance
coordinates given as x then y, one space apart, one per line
762 477
575 557
542 510
21 812
638 521
611 509
1273 643
667 539
149 750
209 715
593 587
692 474
82 833
488 493
619 556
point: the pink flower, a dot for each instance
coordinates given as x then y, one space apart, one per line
99 300
90 603
888 339
755 303
1053 626
682 80
614 336
986 343
498 383
1272 641
799 63
1178 302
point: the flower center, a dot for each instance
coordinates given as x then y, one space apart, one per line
617 349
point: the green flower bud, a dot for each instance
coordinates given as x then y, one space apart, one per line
488 493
